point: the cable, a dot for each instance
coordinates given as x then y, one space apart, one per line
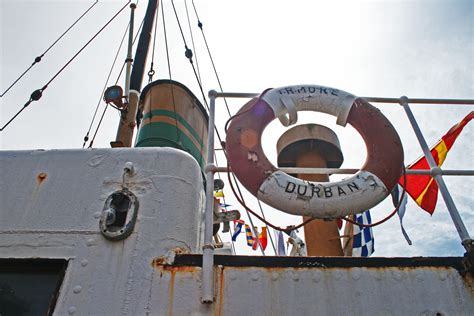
286 230
200 25
391 214
189 55
192 39
151 72
178 137
38 58
263 215
86 138
98 125
116 81
37 94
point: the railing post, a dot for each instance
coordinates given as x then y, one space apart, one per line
436 172
208 247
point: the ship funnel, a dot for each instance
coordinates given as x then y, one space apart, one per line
173 117
313 146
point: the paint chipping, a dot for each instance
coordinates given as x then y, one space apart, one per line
41 177
252 156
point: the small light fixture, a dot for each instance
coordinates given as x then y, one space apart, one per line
114 94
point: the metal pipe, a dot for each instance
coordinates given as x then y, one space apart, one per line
352 171
133 84
422 101
129 59
453 211
208 247
370 99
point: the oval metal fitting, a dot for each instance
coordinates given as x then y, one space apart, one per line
119 215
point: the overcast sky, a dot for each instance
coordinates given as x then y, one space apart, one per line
369 48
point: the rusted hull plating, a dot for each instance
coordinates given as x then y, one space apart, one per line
379 288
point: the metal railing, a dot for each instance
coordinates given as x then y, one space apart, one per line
436 172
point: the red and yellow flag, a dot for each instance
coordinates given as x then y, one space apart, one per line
424 189
262 237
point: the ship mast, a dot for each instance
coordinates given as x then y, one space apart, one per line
132 90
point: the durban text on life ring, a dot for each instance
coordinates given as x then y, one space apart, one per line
370 185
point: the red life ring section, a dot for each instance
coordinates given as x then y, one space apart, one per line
365 189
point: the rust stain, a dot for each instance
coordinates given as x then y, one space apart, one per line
160 263
221 291
174 269
468 279
171 294
41 177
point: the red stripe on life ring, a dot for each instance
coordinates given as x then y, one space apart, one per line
243 144
384 147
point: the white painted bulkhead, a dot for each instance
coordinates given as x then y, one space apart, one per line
51 205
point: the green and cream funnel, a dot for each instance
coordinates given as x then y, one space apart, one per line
173 117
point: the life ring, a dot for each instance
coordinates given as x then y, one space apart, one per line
365 189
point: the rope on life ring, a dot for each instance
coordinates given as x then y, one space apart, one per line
365 189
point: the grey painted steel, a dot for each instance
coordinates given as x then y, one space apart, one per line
129 51
317 291
51 206
208 248
352 171
453 211
370 99
421 101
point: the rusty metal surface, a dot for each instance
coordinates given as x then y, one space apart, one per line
317 286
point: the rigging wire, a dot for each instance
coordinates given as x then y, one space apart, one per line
151 72
197 75
86 138
347 219
38 58
178 137
192 39
270 235
189 55
290 228
37 94
200 25
116 81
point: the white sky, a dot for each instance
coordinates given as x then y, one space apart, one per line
368 48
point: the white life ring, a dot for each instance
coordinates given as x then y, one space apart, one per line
365 189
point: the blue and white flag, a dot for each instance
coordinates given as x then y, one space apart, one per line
280 243
238 229
363 240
